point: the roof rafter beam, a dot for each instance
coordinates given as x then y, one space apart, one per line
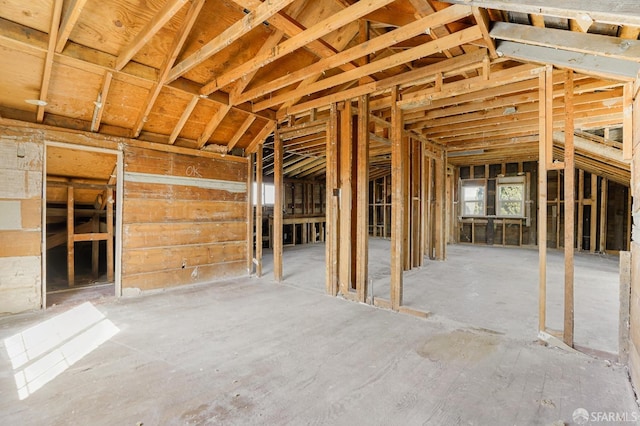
621 12
393 37
240 132
262 13
48 60
292 44
461 37
69 20
153 26
101 101
183 119
178 41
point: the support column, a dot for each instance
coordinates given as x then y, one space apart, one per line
250 163
440 209
71 274
331 214
259 172
110 203
604 188
545 94
346 161
95 247
362 223
397 202
278 154
569 210
594 213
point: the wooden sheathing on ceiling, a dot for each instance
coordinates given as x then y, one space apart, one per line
159 71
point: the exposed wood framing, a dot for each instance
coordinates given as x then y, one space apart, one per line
156 23
68 22
48 60
569 212
362 199
277 207
397 202
543 143
250 212
332 203
346 176
183 119
101 102
259 208
167 63
71 275
234 32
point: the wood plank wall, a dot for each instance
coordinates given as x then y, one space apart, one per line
21 164
184 219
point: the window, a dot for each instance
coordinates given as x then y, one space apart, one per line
473 197
510 196
268 194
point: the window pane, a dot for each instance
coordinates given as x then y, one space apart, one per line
511 208
510 199
473 208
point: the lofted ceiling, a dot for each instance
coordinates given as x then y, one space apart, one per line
219 74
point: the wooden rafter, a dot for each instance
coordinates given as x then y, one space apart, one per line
411 30
464 36
153 26
292 44
101 102
240 132
178 42
183 119
48 60
247 23
69 20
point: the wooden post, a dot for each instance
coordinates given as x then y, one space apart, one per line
625 302
277 205
95 247
362 170
110 262
429 245
71 275
594 213
259 172
604 187
346 161
569 209
580 209
424 200
250 163
406 201
331 214
440 210
542 197
397 202
416 218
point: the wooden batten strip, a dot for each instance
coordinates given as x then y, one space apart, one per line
224 185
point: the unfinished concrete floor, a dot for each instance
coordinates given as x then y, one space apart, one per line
250 351
488 287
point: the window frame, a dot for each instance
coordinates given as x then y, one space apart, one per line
473 183
511 181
